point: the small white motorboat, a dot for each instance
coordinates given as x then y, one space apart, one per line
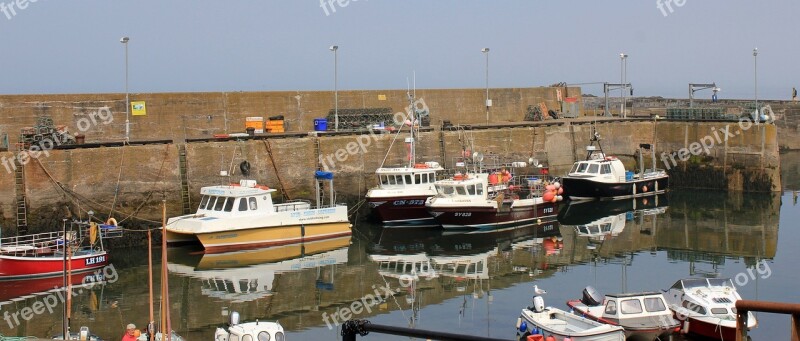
549 321
707 307
255 331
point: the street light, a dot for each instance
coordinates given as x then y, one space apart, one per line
124 41
623 66
755 81
335 48
485 50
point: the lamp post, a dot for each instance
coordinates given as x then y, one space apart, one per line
124 41
485 51
623 65
755 80
335 48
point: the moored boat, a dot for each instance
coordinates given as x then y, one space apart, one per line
259 330
605 177
561 325
480 200
243 216
706 307
43 254
644 316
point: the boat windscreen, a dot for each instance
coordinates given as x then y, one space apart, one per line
720 282
582 167
694 283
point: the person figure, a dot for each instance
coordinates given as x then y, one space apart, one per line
794 94
130 333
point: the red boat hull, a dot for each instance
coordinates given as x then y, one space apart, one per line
19 288
31 267
475 217
710 330
409 210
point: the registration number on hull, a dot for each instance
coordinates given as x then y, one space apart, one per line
95 260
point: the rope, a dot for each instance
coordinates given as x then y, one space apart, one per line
119 178
274 166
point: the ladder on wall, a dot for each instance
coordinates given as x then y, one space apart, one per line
22 207
186 199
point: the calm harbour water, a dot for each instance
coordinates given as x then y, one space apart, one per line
470 283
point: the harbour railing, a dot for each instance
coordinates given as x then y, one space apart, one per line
745 306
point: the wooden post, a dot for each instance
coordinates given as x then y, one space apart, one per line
741 325
796 327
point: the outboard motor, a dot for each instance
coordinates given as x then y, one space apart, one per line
591 297
538 304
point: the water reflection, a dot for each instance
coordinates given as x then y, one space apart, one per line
477 280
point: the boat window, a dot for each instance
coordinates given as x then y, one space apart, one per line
418 178
210 204
279 336
263 336
203 202
461 190
408 180
431 177
694 283
719 311
722 282
582 167
447 190
247 337
229 204
220 202
384 180
654 304
605 169
633 306
611 308
243 204
471 189
480 189
253 204
694 307
392 180
593 168
574 168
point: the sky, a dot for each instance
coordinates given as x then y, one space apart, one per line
58 46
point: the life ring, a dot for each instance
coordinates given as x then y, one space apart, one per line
420 165
111 221
262 187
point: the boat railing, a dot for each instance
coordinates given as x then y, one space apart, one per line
294 205
745 306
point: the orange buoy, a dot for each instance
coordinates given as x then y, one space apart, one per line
550 338
458 177
535 337
548 196
644 188
550 187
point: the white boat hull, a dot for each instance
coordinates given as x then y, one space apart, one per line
560 324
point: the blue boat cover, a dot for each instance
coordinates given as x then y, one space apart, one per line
321 175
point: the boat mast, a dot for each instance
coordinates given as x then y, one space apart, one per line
410 140
166 330
65 325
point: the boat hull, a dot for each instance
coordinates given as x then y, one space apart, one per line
12 267
486 217
402 211
587 189
632 332
546 328
710 330
270 236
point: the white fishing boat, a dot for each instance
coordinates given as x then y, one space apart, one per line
644 316
258 330
707 307
561 325
243 216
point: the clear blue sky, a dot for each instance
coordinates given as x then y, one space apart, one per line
249 45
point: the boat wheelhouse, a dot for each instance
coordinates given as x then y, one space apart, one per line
243 216
399 199
707 307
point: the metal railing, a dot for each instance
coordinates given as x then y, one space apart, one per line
745 306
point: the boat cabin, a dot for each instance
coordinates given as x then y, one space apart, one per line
607 169
244 199
627 309
250 331
462 185
422 174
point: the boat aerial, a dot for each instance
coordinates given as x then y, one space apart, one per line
399 198
43 254
604 177
258 330
560 325
487 199
644 316
242 215
707 307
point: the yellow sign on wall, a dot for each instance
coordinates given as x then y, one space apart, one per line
138 108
